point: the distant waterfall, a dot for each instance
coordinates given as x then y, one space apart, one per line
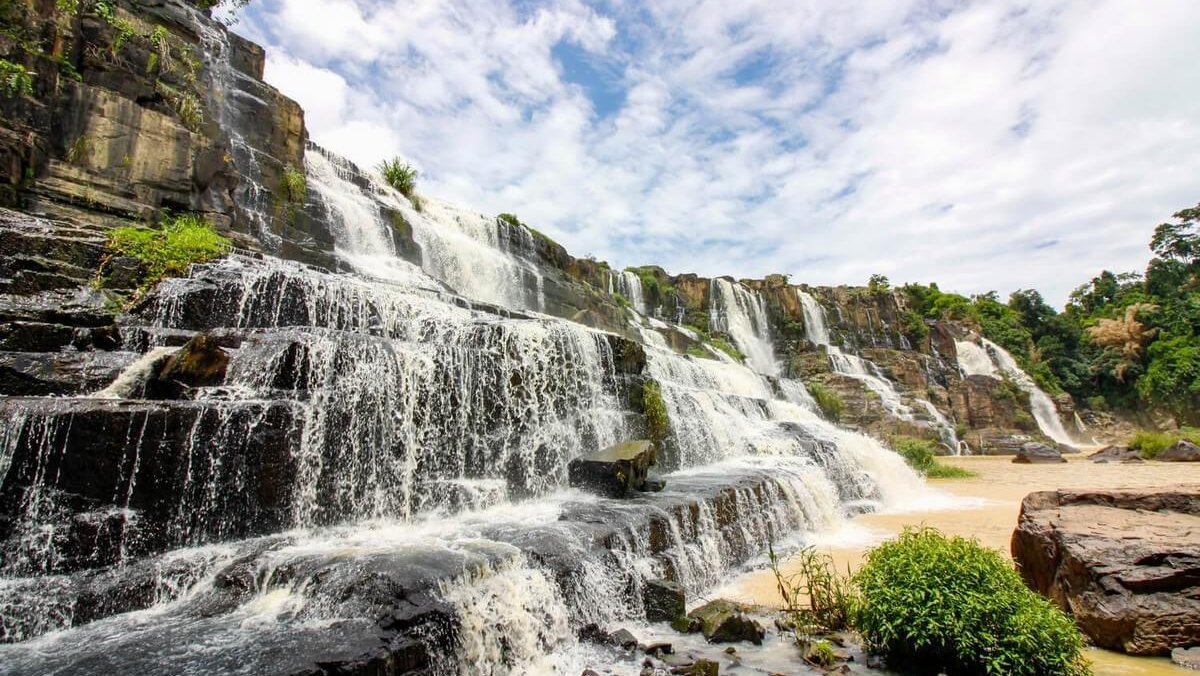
629 285
856 367
742 314
989 359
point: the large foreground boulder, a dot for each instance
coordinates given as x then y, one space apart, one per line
1124 563
1182 451
1036 454
616 471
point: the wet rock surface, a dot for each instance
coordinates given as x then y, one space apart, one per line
1181 451
1115 454
1038 454
616 471
1124 564
724 621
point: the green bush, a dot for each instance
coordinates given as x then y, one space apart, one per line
182 240
403 177
932 603
1149 444
920 454
657 419
15 80
827 400
815 598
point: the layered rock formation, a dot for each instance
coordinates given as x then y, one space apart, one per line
1124 564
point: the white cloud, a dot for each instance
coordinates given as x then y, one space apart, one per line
929 141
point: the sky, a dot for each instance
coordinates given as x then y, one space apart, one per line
980 145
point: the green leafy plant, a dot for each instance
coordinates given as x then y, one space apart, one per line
828 401
15 80
658 421
1149 443
67 6
180 241
403 177
934 603
920 454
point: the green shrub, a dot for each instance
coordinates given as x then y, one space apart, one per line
920 454
403 177
15 80
511 219
820 654
182 240
827 400
1097 403
658 421
620 298
930 603
698 351
1149 444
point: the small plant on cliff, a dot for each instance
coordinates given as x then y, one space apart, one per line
827 400
403 177
723 344
878 284
15 80
182 240
936 603
511 219
658 421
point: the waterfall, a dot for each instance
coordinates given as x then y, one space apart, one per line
742 314
868 373
989 359
629 285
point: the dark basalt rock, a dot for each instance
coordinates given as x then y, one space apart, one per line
39 374
664 601
1182 451
199 363
615 471
1035 453
724 621
1124 563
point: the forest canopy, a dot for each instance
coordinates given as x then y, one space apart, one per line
1125 340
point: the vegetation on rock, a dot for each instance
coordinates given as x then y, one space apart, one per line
658 421
182 240
1149 444
722 343
403 177
921 455
827 400
936 603
15 80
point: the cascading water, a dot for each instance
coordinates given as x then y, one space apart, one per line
856 367
385 464
629 285
742 314
989 359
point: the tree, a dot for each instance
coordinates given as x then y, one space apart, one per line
878 284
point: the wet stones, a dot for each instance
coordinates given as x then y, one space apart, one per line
1115 454
1033 453
616 471
724 621
1182 451
199 363
664 601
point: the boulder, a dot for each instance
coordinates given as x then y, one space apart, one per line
623 638
664 601
1036 454
724 621
1124 563
699 668
616 471
199 363
1182 451
1115 454
1188 658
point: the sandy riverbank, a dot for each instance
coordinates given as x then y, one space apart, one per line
988 511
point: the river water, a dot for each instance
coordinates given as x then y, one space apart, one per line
987 509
